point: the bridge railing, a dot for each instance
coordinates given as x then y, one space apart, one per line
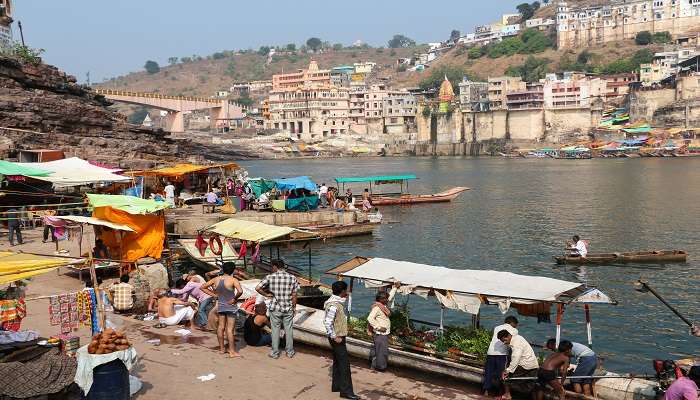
111 92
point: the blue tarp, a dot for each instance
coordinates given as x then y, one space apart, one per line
300 182
302 203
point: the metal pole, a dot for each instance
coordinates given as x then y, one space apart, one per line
352 283
560 311
587 309
21 33
643 286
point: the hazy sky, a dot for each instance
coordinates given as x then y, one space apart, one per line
110 38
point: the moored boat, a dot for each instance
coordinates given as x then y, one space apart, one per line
402 196
641 257
333 231
208 261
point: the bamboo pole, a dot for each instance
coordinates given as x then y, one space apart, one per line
98 295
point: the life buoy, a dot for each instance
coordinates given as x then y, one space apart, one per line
216 240
201 244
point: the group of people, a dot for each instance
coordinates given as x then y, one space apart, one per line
510 359
328 196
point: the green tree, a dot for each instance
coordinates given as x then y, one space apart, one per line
291 47
506 47
264 50
218 55
314 44
643 56
532 70
186 60
643 38
152 67
584 57
527 10
535 41
338 46
661 38
230 69
476 52
245 100
455 35
399 41
172 60
437 75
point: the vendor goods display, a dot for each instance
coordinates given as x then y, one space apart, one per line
108 341
73 310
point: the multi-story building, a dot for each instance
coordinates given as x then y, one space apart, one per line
379 109
617 85
364 67
310 112
539 23
529 97
623 19
400 109
474 96
671 59
498 87
5 24
259 86
650 74
303 77
573 90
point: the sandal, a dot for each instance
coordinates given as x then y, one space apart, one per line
160 325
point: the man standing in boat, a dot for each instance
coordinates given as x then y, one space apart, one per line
380 327
578 247
497 357
323 195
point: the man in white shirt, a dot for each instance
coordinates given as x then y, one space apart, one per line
170 194
523 361
264 199
497 357
323 195
578 247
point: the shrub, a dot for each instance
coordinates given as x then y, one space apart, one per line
661 38
476 52
152 67
532 70
27 54
643 38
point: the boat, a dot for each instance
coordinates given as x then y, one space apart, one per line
333 231
209 261
463 286
402 197
640 257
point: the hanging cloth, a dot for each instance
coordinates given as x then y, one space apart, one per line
201 244
543 311
256 253
243 250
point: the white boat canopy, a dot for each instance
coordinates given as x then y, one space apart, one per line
95 221
75 171
467 289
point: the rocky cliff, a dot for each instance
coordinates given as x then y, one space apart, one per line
42 107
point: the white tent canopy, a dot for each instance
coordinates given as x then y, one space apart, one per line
75 172
463 289
95 221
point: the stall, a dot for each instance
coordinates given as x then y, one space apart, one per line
300 193
192 181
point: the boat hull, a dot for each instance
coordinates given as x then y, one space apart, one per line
441 197
639 257
308 329
333 231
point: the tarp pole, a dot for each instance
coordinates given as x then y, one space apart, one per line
560 312
587 309
442 317
352 283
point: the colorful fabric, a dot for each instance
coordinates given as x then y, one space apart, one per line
146 241
17 266
8 310
63 312
129 204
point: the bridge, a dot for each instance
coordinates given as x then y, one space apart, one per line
221 111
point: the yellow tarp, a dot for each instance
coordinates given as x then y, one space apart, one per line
182 169
17 266
146 240
249 230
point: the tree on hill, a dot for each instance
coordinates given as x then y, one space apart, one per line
338 46
454 74
399 41
662 37
264 50
172 60
245 100
455 35
291 47
314 44
218 55
152 67
528 10
532 70
643 38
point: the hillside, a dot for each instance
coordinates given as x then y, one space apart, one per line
206 76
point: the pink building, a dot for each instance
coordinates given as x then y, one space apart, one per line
304 77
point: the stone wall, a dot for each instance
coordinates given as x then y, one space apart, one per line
643 103
526 124
564 123
683 113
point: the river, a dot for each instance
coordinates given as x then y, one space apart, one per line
517 215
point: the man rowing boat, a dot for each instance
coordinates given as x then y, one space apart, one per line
578 247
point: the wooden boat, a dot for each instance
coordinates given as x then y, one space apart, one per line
333 231
309 329
640 257
406 198
208 261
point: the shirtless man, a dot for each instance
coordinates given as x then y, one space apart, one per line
172 311
547 375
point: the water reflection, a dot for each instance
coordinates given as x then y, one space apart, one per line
518 215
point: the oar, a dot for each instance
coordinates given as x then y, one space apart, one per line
643 287
532 378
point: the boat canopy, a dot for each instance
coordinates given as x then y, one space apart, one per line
249 230
260 185
300 182
466 289
129 204
75 171
378 179
95 221
18 266
179 170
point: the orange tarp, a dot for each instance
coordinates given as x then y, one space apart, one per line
146 240
182 169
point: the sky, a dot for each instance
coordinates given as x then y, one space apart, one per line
112 38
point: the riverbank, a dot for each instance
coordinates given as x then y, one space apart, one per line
170 369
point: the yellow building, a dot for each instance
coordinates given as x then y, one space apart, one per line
5 24
303 77
623 19
653 73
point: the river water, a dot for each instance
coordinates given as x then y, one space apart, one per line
518 215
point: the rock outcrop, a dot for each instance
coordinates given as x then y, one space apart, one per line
42 107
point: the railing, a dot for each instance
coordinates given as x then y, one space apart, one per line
110 92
